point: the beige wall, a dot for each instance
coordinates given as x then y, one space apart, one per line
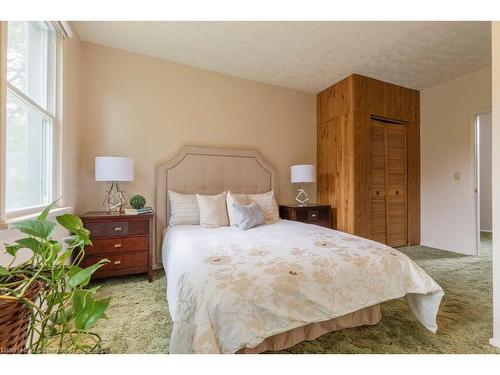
146 108
69 135
485 171
71 122
447 148
495 43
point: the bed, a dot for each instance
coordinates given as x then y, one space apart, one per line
268 288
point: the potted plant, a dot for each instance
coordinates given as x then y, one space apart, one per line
46 305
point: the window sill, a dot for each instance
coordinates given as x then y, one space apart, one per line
54 212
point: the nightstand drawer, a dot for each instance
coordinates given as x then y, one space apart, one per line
117 228
108 229
118 261
117 245
312 215
322 215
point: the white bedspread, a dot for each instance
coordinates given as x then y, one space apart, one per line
228 289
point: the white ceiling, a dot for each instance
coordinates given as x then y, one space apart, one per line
308 56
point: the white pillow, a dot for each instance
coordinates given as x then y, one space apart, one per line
267 202
234 198
213 210
183 209
248 216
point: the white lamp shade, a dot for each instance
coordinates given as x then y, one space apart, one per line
113 168
303 173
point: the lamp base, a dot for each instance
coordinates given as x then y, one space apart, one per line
114 200
302 198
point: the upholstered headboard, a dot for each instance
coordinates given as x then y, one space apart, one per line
209 170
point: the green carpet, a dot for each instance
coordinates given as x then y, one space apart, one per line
139 322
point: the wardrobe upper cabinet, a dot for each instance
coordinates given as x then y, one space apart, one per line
368 158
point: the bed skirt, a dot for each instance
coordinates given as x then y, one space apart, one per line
367 316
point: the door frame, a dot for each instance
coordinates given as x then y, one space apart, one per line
474 173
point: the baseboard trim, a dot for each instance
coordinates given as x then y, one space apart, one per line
495 342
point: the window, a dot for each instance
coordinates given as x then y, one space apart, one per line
30 116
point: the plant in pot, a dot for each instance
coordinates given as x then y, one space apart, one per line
46 304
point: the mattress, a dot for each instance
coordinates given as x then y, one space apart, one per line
230 289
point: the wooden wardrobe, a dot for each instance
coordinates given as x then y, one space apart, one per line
369 158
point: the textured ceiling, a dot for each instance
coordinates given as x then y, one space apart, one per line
308 56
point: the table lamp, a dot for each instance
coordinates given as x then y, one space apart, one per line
115 170
302 174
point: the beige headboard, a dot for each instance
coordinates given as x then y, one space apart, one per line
209 170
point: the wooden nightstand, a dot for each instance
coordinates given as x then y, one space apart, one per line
126 240
318 214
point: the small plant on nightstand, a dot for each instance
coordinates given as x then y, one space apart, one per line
137 202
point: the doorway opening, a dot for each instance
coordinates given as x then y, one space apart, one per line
482 185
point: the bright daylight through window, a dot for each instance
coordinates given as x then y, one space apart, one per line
30 120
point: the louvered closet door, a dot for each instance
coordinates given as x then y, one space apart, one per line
376 183
396 185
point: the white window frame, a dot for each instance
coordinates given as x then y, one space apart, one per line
12 216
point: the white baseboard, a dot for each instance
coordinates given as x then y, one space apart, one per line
495 342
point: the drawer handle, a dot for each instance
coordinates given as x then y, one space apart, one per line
313 215
118 245
378 192
397 192
117 229
117 262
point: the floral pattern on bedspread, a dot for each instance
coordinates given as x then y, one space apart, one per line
230 289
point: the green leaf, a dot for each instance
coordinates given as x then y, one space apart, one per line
70 222
94 289
12 249
79 298
97 311
82 278
40 229
56 247
30 243
4 271
46 211
87 310
64 256
62 316
73 270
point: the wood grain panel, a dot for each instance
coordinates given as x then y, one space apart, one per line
313 214
324 166
344 123
126 240
413 155
361 168
117 245
335 100
396 221
128 261
348 185
385 99
119 261
396 202
376 184
335 171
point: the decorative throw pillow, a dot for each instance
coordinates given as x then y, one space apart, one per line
213 210
267 202
248 216
234 198
183 209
